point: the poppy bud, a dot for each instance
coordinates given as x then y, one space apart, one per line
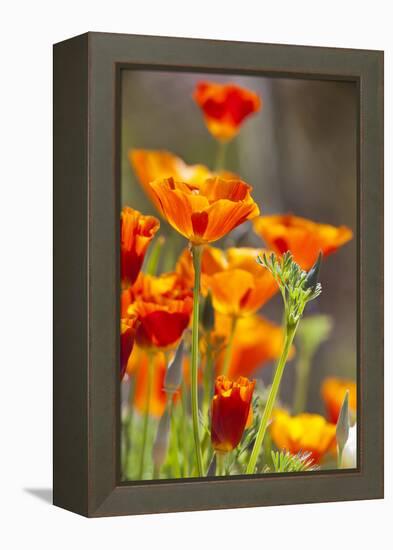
313 274
342 428
161 442
208 317
230 412
349 452
212 467
174 371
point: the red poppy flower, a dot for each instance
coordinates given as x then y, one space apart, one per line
230 412
302 237
225 107
136 232
127 338
163 308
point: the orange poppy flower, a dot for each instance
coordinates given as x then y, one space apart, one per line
256 342
242 286
138 366
213 260
136 233
225 107
163 309
127 338
303 238
230 412
239 286
333 392
304 432
207 213
151 165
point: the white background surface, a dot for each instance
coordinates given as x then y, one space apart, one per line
27 31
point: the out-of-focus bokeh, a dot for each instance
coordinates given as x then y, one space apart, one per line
298 153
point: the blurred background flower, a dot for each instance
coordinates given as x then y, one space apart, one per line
303 433
225 107
333 392
303 237
256 342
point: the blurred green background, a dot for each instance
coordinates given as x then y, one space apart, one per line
298 153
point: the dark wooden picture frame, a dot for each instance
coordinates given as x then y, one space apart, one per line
86 274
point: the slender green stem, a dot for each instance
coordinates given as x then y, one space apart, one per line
207 380
154 257
196 255
146 414
174 441
303 365
184 427
220 464
220 156
228 350
127 427
289 335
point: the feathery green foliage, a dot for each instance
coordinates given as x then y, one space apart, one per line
284 461
294 283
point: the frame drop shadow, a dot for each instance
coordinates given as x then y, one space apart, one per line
44 494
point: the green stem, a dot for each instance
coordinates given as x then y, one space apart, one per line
228 351
146 414
174 441
220 156
220 464
184 428
196 256
208 378
303 365
154 257
289 335
127 434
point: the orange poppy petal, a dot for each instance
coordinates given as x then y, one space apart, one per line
229 289
224 215
303 433
256 342
136 232
205 214
303 238
158 396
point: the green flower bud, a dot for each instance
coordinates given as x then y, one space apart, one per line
161 442
173 375
208 314
313 274
342 428
212 467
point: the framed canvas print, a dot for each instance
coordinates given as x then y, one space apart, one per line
218 274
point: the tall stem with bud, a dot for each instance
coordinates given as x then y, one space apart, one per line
297 289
